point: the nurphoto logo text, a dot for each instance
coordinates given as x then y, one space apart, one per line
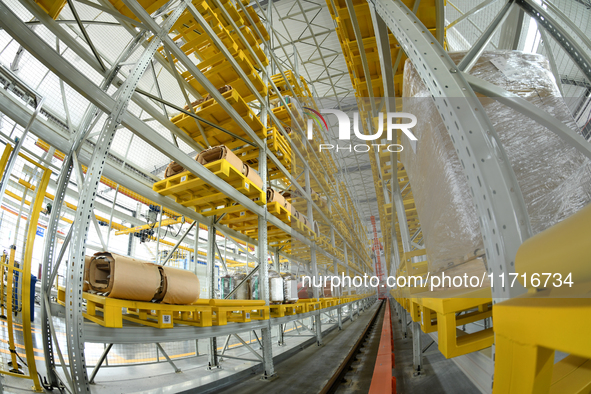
345 129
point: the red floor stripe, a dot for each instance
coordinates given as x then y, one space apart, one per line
382 380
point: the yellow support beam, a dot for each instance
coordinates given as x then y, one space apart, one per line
25 278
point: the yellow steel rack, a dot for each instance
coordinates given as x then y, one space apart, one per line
193 192
219 71
238 311
52 7
150 6
111 312
25 272
213 112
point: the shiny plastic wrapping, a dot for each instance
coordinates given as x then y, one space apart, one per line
243 291
253 285
229 283
290 288
555 179
275 287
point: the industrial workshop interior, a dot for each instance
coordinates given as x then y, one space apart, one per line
295 196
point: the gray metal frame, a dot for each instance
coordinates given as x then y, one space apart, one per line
571 46
504 220
97 164
74 319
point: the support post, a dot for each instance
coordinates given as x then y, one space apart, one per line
417 351
262 227
315 290
213 355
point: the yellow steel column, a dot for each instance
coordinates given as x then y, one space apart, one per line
5 156
2 305
25 273
26 293
9 301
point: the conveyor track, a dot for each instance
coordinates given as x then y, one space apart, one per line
355 372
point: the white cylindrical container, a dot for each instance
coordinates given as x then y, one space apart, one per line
290 288
275 287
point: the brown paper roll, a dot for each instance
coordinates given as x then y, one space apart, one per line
217 153
182 287
252 175
274 196
124 277
222 90
86 285
172 169
304 220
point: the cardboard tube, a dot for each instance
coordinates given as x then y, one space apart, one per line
252 175
274 196
217 153
123 277
173 169
181 286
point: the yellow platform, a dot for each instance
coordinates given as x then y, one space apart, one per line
195 40
283 115
246 223
193 192
282 310
277 144
238 311
110 312
453 308
150 6
307 305
219 71
329 302
52 7
257 22
213 112
299 87
530 328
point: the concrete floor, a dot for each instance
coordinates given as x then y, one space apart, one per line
311 369
440 375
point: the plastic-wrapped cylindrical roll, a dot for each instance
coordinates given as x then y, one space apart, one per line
123 277
290 288
243 292
180 286
226 283
253 285
275 287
